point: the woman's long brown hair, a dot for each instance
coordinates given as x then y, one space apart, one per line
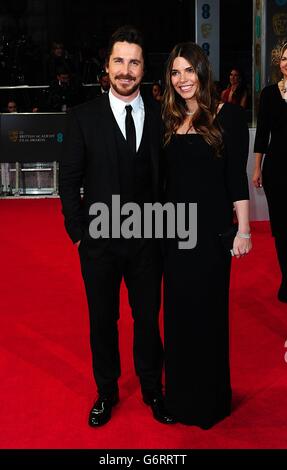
174 107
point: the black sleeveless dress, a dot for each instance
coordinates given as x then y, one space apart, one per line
196 281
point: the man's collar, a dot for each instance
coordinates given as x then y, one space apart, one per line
120 105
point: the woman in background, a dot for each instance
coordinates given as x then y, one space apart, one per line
236 92
270 140
156 91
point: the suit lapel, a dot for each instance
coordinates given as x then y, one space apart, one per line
107 123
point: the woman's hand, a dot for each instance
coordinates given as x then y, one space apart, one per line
241 246
257 178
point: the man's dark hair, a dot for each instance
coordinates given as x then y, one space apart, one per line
128 34
102 74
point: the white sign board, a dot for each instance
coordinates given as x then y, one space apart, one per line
207 18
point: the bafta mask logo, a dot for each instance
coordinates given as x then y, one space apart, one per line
13 136
206 29
280 24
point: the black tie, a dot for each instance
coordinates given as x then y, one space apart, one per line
130 129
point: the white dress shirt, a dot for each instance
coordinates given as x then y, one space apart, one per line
119 111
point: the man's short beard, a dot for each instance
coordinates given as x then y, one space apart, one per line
128 92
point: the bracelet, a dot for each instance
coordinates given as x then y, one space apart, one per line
243 235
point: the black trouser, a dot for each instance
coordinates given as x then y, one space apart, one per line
281 249
139 263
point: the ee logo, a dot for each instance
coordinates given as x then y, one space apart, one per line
205 11
60 137
206 47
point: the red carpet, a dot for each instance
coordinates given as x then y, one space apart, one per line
46 382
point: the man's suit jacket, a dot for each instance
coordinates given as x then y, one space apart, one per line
90 161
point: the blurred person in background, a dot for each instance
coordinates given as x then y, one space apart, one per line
104 82
236 91
64 92
58 58
6 189
12 106
270 140
156 91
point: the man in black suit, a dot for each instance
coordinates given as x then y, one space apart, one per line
104 82
113 147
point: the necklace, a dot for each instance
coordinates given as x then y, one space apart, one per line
284 86
189 113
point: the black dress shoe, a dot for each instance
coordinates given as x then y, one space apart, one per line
158 409
101 412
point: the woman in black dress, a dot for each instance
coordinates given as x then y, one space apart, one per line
206 150
272 122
